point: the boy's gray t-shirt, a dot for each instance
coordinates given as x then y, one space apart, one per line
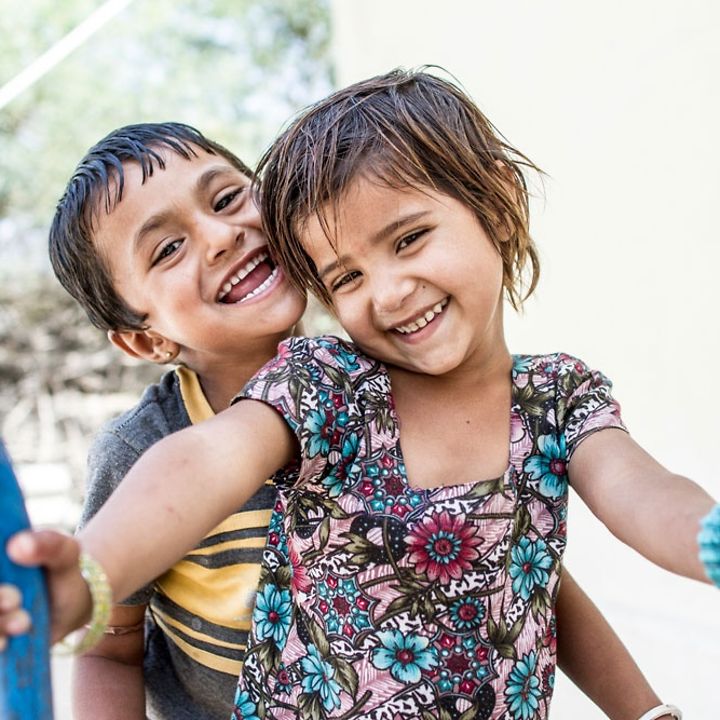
193 655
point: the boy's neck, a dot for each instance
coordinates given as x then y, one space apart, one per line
224 380
219 391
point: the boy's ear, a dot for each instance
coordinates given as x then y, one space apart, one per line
144 345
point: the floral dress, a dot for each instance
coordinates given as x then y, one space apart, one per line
382 601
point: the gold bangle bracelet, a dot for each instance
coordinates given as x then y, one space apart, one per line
101 596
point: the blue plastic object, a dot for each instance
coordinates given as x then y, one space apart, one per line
25 689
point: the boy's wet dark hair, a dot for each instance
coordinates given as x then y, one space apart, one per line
97 186
406 129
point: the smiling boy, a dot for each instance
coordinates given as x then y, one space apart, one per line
158 238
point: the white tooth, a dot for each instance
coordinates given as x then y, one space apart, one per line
227 287
422 322
413 327
429 315
234 280
438 308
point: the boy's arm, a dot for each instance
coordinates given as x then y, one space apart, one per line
107 681
594 658
646 506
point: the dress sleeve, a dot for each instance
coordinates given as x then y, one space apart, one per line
109 460
310 384
585 402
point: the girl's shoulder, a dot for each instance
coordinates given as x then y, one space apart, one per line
551 366
306 366
325 352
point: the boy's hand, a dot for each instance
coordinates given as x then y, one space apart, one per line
70 602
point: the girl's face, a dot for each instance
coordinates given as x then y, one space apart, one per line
414 278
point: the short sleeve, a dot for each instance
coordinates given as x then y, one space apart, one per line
585 403
310 384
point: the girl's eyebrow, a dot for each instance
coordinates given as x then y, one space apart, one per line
390 229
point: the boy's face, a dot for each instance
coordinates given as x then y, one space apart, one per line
415 281
186 248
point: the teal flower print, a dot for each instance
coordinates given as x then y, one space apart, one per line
273 613
529 566
345 467
522 364
320 425
245 708
467 613
523 689
550 467
319 678
405 655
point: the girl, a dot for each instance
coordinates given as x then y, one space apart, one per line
424 575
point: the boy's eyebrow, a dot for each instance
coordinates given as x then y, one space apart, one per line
149 226
382 234
202 184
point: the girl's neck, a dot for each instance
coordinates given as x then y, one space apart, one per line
472 379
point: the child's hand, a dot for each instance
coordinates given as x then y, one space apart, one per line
70 602
13 619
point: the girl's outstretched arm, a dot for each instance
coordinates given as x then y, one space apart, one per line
642 503
172 497
594 658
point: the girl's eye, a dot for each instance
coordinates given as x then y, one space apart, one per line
410 239
167 250
227 199
345 279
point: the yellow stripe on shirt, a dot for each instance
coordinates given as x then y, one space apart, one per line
223 595
203 657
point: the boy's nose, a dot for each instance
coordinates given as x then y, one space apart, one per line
222 238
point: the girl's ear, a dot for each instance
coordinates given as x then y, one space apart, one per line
144 345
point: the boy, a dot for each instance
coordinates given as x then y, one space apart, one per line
158 238
124 244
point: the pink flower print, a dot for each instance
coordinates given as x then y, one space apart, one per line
443 547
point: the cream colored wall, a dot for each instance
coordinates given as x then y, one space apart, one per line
619 103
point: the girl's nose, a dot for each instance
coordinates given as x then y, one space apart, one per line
390 293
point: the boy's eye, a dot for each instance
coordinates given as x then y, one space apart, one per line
410 239
345 279
167 250
227 199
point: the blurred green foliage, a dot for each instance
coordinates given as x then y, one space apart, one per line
236 69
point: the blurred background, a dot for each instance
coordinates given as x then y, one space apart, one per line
617 102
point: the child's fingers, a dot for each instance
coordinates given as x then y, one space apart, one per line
50 548
10 598
13 623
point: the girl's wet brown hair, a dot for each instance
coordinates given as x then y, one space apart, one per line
407 128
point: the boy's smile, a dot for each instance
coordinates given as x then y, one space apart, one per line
187 248
415 281
251 279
